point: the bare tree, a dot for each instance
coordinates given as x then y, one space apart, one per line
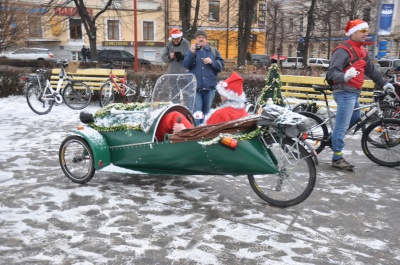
273 19
12 23
246 13
88 19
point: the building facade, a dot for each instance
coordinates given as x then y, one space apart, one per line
328 31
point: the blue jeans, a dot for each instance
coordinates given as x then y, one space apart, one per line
203 102
345 115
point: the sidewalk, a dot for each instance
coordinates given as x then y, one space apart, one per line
350 218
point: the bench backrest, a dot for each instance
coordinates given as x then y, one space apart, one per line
93 77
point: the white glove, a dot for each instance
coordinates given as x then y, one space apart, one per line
388 87
350 73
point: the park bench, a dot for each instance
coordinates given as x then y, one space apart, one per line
93 77
296 88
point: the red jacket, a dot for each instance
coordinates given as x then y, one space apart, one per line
358 63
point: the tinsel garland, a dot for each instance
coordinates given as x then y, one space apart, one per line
269 86
120 106
242 137
116 127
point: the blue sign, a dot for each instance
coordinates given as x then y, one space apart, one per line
386 19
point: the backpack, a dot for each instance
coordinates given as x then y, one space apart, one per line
353 58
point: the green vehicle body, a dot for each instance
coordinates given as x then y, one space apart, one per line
136 150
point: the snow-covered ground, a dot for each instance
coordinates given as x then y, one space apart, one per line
350 218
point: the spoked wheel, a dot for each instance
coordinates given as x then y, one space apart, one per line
35 101
381 142
76 159
296 177
77 95
317 135
106 94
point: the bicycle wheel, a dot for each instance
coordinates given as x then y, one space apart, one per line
77 95
76 159
131 92
317 135
381 142
296 177
36 102
106 94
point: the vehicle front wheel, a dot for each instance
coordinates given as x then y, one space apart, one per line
76 159
295 179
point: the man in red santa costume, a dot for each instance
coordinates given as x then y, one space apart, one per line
232 107
349 65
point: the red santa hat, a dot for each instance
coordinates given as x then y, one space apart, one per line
355 25
232 87
175 33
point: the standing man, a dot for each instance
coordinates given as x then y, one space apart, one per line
174 52
84 53
205 62
349 64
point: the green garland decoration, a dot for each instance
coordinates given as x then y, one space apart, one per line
115 127
121 106
242 137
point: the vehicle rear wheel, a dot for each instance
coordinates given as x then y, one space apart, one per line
106 94
34 97
76 159
381 142
295 179
77 95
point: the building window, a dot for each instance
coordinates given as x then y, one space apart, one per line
213 43
34 27
337 24
301 29
75 29
148 30
113 29
291 24
76 56
213 7
367 15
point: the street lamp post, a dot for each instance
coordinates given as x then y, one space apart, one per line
377 26
136 62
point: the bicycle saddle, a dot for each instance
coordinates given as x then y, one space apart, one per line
321 88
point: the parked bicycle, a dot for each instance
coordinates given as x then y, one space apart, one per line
380 140
41 96
119 87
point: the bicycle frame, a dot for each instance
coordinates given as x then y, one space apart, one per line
373 107
120 88
49 93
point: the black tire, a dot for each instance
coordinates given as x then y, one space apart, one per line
317 135
77 95
300 107
313 108
35 100
76 159
296 177
381 142
106 94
